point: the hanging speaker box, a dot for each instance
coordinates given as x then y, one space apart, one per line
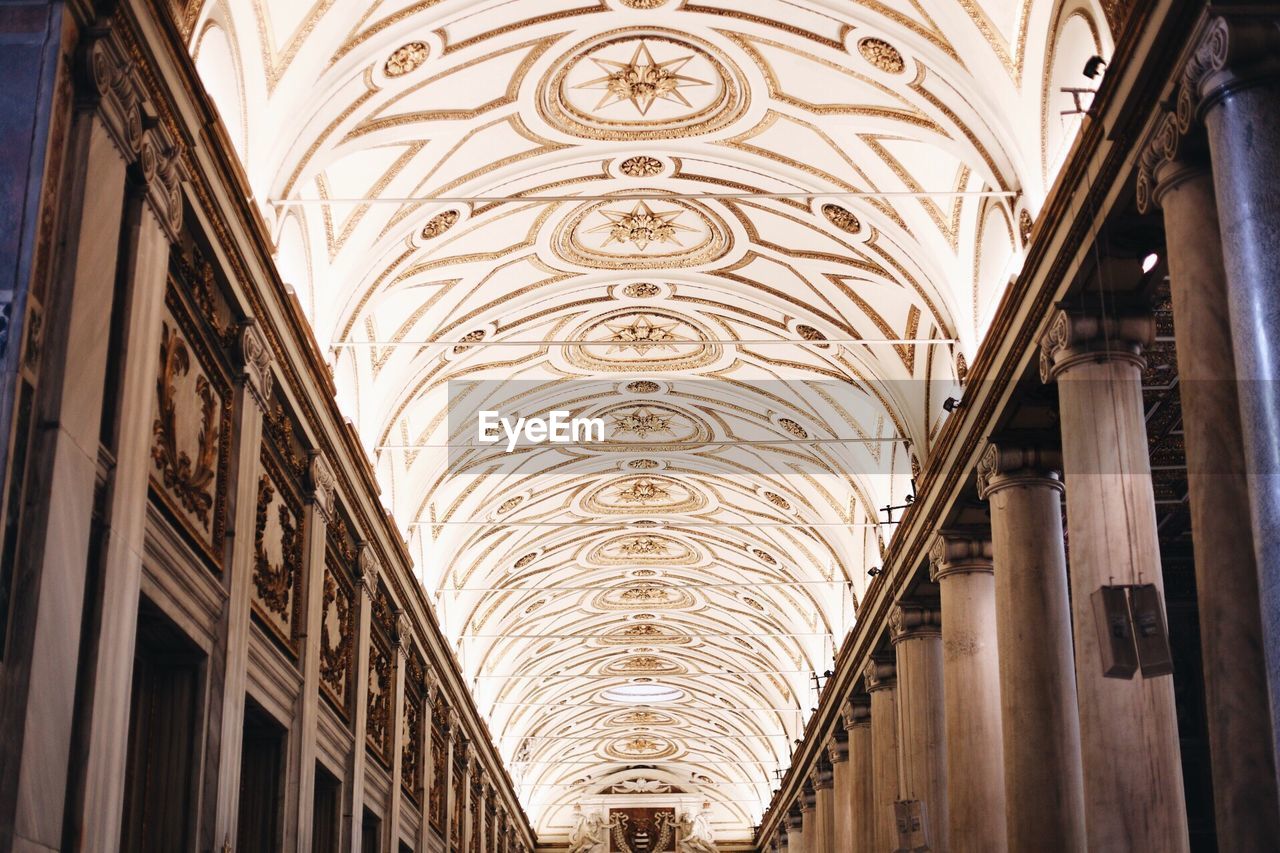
1150 632
1115 632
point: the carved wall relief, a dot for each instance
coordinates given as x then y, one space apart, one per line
338 619
415 705
190 433
277 593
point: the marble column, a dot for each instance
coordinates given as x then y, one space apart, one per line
960 563
880 676
228 662
1175 176
859 804
106 757
395 796
922 756
353 806
1043 777
822 835
1231 84
303 731
1128 728
842 819
795 828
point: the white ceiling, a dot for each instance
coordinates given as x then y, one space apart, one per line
814 99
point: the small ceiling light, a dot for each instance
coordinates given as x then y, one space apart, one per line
1094 66
1149 262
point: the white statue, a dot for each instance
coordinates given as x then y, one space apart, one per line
587 831
696 835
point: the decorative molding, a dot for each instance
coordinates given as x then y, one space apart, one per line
821 776
258 360
1075 338
1006 465
1167 156
110 85
960 552
857 710
910 620
1234 50
368 570
323 484
880 673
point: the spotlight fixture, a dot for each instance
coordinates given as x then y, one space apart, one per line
873 571
952 403
1094 66
1149 262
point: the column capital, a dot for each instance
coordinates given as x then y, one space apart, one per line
258 360
838 746
1168 156
368 569
1089 337
110 85
808 797
880 673
1234 49
795 817
910 620
1005 464
857 710
821 777
959 552
323 485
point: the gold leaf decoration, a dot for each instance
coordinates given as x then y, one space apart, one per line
793 427
439 224
641 289
841 218
882 55
641 166
405 59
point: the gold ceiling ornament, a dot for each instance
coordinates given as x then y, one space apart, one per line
642 80
469 337
643 464
809 333
405 59
882 55
751 602
642 423
641 718
643 594
510 504
654 635
439 224
777 500
641 335
644 616
641 290
793 427
643 663
841 218
643 545
644 492
640 226
764 555
641 747
644 573
642 235
643 386
641 166
526 559
642 4
642 83
1025 224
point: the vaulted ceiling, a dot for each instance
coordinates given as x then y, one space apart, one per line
833 196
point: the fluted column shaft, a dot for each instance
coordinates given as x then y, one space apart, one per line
922 757
1044 779
1232 85
961 566
860 802
1176 176
882 684
842 801
1128 728
821 836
